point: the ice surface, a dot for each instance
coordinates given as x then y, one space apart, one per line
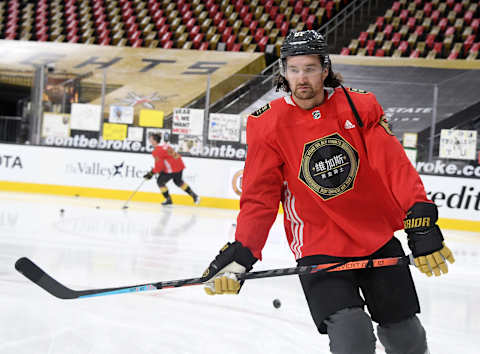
93 248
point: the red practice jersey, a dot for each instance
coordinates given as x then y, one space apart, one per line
344 189
167 160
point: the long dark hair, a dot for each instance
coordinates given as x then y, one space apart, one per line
332 80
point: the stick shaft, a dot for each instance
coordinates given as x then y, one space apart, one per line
55 288
134 192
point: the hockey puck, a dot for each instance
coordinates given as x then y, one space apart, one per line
97 207
62 211
277 303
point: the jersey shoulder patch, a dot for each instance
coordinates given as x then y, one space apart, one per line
384 124
261 110
351 89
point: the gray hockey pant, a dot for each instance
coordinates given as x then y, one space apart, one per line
351 332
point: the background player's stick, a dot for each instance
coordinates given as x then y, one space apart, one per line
125 206
42 279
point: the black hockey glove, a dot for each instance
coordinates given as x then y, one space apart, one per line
426 240
233 258
148 175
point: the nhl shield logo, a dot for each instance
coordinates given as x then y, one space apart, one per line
316 114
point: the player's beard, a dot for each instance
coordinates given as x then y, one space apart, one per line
305 94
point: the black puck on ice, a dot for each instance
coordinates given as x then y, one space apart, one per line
277 303
97 207
62 211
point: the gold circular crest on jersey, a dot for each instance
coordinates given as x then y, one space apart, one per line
329 166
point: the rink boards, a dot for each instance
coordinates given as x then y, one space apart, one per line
114 175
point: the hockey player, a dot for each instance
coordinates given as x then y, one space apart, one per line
169 165
327 154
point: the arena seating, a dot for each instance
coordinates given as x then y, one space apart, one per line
234 25
427 29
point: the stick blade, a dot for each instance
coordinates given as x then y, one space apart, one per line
35 274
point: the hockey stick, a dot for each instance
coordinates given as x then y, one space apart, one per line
46 282
134 192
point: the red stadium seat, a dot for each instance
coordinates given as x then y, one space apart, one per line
380 22
450 31
443 24
284 28
165 38
311 21
435 16
437 47
134 36
226 34
378 53
248 19
345 51
167 45
195 30
259 33
469 42
204 46
453 55
185 9
475 24
253 26
370 47
213 11
388 31
73 39
236 47
231 41
217 18
415 54
222 25
138 43
304 13
197 40
468 17
427 9
279 20
412 21
298 7
362 38
191 22
262 43
329 9
273 11
430 41
396 39
419 31
243 12
240 5
187 16
403 47
396 7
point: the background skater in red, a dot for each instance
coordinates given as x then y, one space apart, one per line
169 165
346 185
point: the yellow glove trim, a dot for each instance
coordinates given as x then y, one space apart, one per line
435 262
227 283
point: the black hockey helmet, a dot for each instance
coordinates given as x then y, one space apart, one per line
304 43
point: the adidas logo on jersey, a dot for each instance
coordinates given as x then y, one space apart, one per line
349 125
